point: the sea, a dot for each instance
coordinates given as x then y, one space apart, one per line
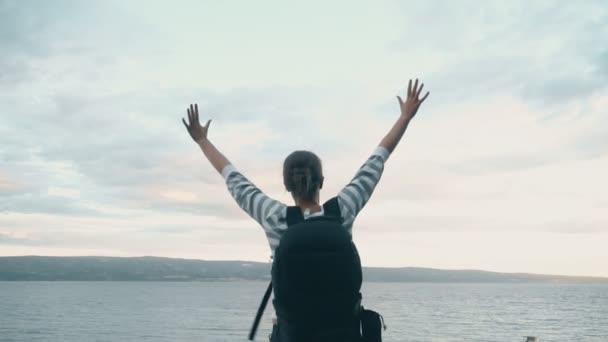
224 311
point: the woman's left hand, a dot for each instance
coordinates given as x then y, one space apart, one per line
409 108
197 132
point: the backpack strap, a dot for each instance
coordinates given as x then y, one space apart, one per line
294 215
260 312
332 208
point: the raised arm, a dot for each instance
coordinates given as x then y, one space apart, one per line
199 135
353 197
408 111
248 196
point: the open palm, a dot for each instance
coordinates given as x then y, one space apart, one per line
196 131
409 108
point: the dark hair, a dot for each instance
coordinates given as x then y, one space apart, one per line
302 174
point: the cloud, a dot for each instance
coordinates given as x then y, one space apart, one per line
42 186
121 149
9 237
546 52
31 33
94 157
7 184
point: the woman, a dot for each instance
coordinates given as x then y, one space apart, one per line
303 175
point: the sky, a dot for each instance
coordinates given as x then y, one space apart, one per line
503 168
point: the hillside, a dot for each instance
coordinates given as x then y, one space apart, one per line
91 268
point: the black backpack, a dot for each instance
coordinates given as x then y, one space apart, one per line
316 278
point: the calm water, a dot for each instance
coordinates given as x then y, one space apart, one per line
223 311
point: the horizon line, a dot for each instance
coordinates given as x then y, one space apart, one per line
261 262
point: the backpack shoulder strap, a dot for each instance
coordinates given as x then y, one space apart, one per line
260 312
294 215
332 208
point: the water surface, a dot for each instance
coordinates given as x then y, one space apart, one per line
223 311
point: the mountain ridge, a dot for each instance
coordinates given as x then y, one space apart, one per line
152 268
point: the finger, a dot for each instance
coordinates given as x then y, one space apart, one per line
425 96
415 90
189 115
208 123
185 124
400 101
409 88
419 91
196 111
194 114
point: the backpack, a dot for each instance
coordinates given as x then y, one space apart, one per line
316 279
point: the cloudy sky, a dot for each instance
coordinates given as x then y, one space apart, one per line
503 169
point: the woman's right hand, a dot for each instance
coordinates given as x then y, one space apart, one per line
196 131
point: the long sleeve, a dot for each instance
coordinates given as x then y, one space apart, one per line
269 213
353 197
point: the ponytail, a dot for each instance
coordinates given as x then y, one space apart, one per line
302 174
302 181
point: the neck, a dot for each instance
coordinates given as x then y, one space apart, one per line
313 204
306 204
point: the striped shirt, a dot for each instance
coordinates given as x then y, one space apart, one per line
272 214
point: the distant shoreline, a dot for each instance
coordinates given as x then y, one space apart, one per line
160 269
